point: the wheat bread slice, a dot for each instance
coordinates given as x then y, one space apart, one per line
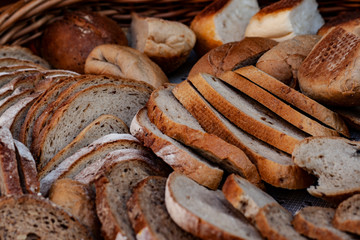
204 213
347 215
316 223
16 96
181 158
336 163
247 114
174 120
52 77
113 189
11 62
147 211
4 79
275 167
34 217
295 98
22 53
16 69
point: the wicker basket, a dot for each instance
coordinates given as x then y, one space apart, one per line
22 21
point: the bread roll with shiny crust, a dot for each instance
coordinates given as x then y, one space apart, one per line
124 62
67 42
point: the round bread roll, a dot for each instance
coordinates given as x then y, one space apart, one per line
67 42
124 62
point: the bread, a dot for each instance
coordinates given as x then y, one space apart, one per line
6 78
21 81
231 56
8 70
334 161
178 156
295 98
349 20
316 223
12 99
248 114
347 216
34 217
351 116
167 43
79 200
52 77
327 74
221 22
175 121
147 211
285 19
204 213
124 62
67 41
12 62
275 167
283 61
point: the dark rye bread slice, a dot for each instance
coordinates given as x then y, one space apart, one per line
204 213
9 175
316 223
113 189
84 107
103 125
174 120
295 98
347 215
181 158
275 167
247 114
147 211
34 217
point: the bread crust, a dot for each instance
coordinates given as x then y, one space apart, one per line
280 6
340 221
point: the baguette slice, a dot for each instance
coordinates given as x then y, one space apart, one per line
316 223
295 98
147 211
175 121
178 156
275 167
204 213
336 163
347 215
248 114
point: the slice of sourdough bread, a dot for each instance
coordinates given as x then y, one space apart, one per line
275 167
34 217
113 189
247 114
336 163
295 98
178 156
204 213
316 223
147 211
175 121
347 215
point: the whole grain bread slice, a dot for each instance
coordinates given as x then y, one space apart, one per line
275 167
247 114
22 53
347 215
174 120
204 213
178 156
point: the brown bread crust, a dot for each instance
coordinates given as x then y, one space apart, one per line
340 221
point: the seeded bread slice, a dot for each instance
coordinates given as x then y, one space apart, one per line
175 121
336 163
204 213
315 223
178 156
22 53
275 167
147 211
347 215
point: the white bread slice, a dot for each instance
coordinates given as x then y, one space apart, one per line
335 161
178 156
22 53
347 215
204 213
275 167
247 114
295 98
316 223
285 19
165 111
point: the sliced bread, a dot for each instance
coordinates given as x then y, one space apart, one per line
11 62
178 156
204 213
16 96
347 215
20 81
174 120
336 163
275 167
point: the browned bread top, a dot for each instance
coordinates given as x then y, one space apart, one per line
346 20
212 8
279 6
